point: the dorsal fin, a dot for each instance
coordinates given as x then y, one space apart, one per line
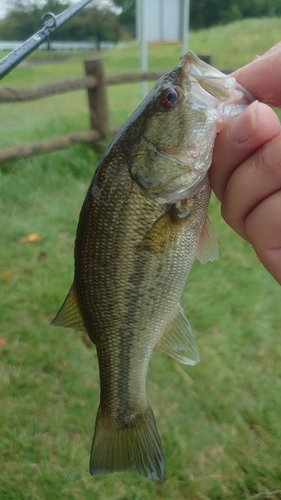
69 314
177 339
208 248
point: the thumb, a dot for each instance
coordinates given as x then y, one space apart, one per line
240 138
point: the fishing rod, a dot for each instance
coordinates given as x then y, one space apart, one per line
50 23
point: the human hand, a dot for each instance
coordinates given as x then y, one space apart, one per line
246 168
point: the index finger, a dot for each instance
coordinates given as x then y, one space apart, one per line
262 77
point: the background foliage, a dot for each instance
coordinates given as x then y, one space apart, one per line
91 23
99 22
204 13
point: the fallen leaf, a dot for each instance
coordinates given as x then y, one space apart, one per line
2 342
6 274
30 238
41 256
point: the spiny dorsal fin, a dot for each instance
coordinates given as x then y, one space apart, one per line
177 339
69 314
208 248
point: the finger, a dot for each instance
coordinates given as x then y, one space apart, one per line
262 76
257 125
263 227
256 179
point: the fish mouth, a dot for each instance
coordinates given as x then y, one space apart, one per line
221 87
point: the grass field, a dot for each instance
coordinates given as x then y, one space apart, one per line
220 420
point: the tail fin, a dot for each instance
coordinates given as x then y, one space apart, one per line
133 448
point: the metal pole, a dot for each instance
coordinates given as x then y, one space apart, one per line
142 5
138 21
185 25
51 23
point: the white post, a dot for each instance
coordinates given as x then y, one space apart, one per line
151 24
138 21
141 9
185 25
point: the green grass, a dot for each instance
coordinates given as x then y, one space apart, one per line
236 44
219 421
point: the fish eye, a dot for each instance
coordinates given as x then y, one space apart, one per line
170 97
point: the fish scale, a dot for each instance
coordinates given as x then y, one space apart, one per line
143 222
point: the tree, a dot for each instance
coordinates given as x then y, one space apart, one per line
205 13
127 17
91 23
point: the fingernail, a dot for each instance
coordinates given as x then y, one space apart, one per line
245 126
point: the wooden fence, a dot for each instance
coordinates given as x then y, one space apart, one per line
95 82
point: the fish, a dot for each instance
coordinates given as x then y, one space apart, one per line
142 224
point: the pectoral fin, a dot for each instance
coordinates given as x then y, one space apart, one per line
69 314
208 248
177 339
162 236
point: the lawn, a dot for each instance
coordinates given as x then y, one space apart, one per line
220 420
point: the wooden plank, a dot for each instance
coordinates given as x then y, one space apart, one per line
48 145
133 77
16 94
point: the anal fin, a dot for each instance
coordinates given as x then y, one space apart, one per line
177 339
69 314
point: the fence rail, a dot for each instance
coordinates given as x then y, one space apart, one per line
15 94
48 145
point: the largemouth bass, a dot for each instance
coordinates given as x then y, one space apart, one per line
143 222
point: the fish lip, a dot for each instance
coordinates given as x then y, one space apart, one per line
248 97
193 65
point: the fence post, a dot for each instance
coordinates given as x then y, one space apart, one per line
205 57
97 97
